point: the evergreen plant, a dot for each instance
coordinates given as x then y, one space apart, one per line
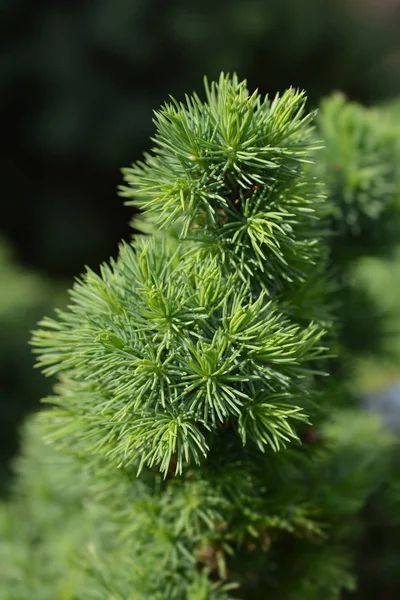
211 458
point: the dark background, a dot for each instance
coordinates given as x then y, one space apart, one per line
79 81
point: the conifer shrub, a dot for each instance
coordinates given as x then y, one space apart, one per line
211 458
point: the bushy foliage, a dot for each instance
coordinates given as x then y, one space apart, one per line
189 400
180 339
85 531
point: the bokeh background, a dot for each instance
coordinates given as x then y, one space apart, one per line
79 81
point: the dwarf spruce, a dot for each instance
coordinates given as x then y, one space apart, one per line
189 404
200 327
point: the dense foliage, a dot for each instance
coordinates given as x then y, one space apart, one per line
202 452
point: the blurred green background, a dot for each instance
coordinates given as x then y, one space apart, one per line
79 82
